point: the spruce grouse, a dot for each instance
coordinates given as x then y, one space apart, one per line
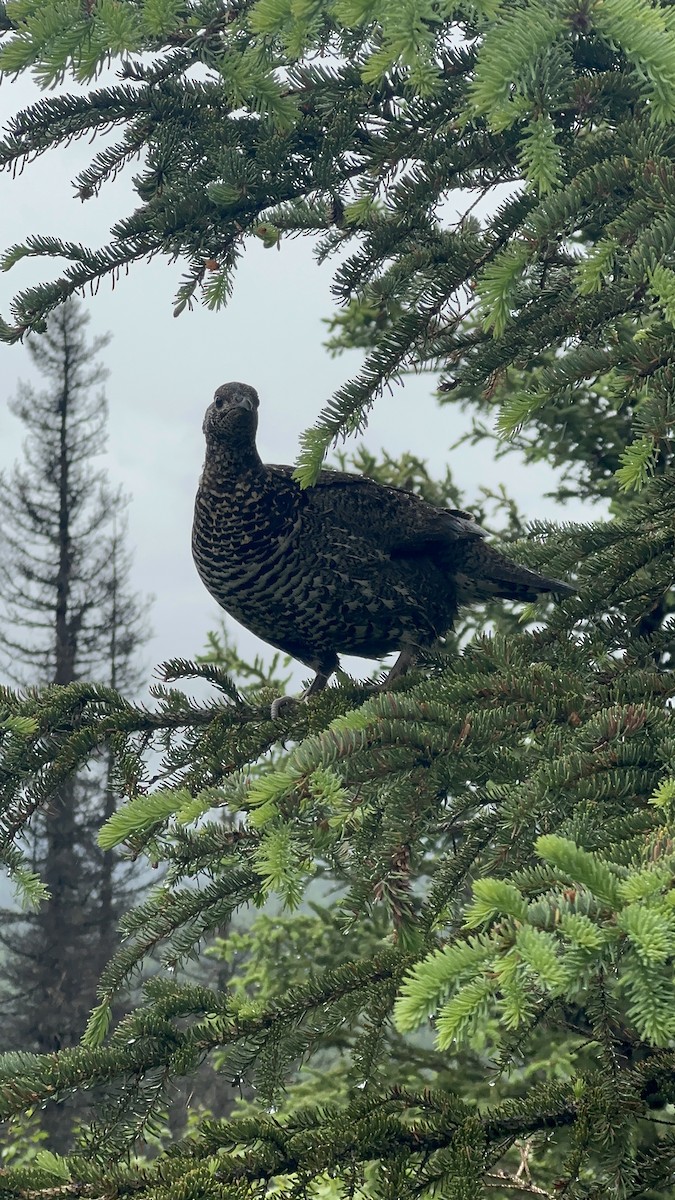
348 566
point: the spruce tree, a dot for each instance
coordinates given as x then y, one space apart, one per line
487 1005
67 613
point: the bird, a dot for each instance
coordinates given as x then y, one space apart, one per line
346 566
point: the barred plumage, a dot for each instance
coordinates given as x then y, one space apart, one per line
347 566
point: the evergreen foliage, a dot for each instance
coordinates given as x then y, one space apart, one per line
66 612
247 132
479 1000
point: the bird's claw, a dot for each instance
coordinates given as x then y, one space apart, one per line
277 706
317 685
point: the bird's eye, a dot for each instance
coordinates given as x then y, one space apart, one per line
218 401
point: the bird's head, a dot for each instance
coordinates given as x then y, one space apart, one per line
232 414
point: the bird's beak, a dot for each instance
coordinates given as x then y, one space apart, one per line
245 402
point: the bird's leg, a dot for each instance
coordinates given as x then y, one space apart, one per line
403 663
317 685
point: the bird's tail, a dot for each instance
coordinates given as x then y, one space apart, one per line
484 574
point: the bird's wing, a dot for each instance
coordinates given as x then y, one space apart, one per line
402 523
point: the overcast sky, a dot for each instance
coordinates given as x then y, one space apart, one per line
163 372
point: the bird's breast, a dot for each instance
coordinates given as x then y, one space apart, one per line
241 544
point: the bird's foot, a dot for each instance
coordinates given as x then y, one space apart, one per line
405 660
317 685
277 706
